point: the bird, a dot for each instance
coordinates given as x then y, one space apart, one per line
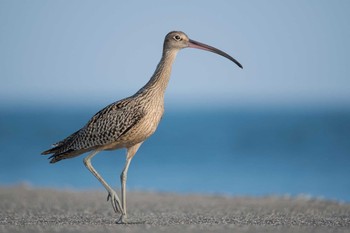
127 123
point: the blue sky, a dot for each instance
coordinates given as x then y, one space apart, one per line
80 53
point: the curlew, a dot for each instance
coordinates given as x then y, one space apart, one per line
127 123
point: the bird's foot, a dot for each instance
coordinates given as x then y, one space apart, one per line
115 201
122 219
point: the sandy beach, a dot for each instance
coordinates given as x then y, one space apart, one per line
27 209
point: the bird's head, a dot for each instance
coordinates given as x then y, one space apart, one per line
179 40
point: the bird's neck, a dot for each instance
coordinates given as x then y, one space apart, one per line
160 79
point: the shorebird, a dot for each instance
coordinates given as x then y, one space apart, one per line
127 123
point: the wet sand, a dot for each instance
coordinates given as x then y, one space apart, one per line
26 209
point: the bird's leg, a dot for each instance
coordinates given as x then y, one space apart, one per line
111 193
123 176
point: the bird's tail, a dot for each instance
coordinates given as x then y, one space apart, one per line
57 156
63 149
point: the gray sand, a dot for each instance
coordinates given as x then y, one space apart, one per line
25 209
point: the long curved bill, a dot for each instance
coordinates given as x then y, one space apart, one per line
198 45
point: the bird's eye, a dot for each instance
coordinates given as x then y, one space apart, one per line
177 38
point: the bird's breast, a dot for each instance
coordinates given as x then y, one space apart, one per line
149 123
144 128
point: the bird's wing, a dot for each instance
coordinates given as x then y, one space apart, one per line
110 123
104 127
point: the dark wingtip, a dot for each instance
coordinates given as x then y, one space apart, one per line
57 156
46 152
53 159
50 151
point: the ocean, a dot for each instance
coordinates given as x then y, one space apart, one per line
242 152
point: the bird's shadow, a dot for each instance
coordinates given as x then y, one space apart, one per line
131 223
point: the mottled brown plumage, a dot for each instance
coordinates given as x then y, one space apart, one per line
127 122
108 126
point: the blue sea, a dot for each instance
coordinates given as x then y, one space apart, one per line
236 152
